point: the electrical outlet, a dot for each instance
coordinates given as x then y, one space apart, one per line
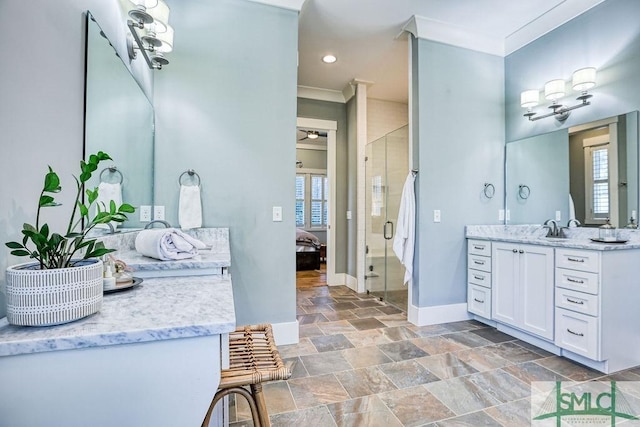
145 213
349 215
277 213
508 215
436 215
158 213
501 215
558 216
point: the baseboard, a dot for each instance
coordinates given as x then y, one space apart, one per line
286 333
343 279
422 316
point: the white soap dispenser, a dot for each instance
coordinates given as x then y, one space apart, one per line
108 282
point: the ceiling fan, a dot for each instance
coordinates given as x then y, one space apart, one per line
310 134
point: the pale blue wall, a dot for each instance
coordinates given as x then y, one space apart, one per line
460 137
226 107
606 37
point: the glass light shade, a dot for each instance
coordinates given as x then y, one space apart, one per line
554 89
146 3
166 40
160 14
584 79
529 98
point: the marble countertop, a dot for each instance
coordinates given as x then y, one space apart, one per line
217 254
577 238
159 309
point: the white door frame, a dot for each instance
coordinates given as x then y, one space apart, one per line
330 127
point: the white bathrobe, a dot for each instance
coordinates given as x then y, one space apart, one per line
404 240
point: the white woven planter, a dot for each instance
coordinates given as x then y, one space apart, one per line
50 297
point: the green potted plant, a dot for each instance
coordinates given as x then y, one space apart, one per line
65 281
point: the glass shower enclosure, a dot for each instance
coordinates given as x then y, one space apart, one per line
387 166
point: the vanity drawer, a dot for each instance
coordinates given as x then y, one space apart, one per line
578 260
577 301
478 262
577 280
479 247
577 333
480 278
479 301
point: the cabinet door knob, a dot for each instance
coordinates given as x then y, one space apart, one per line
521 251
515 251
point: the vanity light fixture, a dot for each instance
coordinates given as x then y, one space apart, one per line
583 80
153 36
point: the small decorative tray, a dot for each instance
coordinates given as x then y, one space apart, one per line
609 241
125 286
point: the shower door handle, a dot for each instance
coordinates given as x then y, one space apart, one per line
384 230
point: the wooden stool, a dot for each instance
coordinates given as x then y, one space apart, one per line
253 359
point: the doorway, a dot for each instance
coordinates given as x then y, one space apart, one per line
386 167
325 177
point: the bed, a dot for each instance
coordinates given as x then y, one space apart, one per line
307 251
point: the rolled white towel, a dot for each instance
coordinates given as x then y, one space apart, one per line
167 244
190 207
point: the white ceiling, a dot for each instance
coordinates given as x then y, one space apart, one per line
367 35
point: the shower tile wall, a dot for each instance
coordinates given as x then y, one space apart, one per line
384 117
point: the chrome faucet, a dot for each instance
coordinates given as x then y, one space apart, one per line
575 221
165 223
553 228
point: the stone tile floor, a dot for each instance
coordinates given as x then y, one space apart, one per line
360 363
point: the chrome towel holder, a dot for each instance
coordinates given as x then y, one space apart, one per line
191 173
111 170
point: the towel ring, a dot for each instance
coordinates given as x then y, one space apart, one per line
524 191
489 190
112 169
191 173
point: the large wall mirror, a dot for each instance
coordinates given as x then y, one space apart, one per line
587 172
119 120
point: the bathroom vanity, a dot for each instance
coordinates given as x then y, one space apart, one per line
572 297
151 356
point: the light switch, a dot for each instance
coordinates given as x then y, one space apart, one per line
348 214
501 215
277 213
508 215
558 216
436 215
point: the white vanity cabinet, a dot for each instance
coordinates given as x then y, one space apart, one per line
598 307
479 278
523 287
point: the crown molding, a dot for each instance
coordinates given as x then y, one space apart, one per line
430 29
284 4
321 94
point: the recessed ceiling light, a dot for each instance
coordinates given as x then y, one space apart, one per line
329 59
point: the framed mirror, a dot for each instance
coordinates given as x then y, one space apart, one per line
587 172
119 120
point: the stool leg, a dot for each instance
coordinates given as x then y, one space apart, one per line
255 410
256 390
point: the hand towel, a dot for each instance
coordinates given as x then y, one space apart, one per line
190 207
106 193
403 242
167 244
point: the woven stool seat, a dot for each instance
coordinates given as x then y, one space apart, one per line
253 359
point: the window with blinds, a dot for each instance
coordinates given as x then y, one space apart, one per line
597 182
312 195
